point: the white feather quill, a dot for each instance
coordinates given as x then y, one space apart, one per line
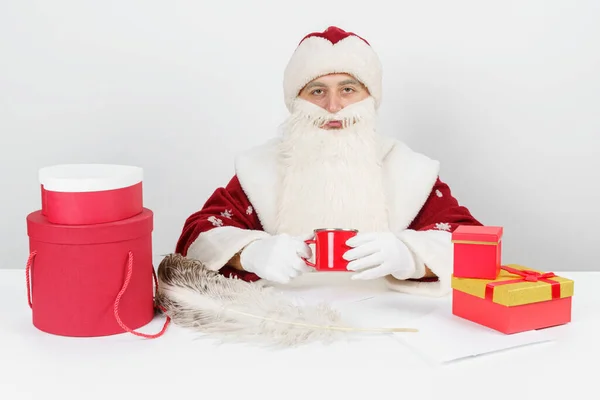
232 309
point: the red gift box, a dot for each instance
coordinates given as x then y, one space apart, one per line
90 280
518 300
80 194
477 251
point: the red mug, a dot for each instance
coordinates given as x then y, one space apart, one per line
330 246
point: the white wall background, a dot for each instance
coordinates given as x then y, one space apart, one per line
506 94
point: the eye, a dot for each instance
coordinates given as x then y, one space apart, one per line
317 92
348 90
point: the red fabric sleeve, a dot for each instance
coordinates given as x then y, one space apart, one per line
441 211
227 206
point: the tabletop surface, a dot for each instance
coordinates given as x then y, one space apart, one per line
34 364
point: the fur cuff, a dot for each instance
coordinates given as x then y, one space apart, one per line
214 248
433 249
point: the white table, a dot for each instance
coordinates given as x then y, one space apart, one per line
36 365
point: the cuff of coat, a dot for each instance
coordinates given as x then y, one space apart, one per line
431 248
215 247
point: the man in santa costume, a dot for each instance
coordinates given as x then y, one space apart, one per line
330 168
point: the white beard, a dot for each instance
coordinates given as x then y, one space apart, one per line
330 178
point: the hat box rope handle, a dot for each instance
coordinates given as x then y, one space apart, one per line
27 276
117 300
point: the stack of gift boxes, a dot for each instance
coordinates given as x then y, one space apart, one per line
89 271
508 298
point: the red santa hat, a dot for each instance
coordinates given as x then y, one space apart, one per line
332 51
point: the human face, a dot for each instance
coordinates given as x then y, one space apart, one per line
333 92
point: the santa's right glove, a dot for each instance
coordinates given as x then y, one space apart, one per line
277 258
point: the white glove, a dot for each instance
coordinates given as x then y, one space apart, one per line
276 258
379 254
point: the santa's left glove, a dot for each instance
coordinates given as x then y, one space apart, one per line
377 254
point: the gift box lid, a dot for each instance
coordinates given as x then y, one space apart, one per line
40 229
517 285
89 177
475 233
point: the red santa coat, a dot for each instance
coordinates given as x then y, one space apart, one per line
422 213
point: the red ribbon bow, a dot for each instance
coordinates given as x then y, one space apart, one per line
527 276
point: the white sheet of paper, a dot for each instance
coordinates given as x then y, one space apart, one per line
444 337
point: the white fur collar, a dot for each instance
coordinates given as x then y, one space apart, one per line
409 177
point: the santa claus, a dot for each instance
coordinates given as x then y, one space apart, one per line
330 168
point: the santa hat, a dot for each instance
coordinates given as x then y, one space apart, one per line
332 51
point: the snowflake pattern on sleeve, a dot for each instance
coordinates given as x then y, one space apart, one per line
227 206
227 214
215 221
442 211
443 226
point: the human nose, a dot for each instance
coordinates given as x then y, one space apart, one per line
334 104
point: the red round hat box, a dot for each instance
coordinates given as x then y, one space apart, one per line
81 194
80 275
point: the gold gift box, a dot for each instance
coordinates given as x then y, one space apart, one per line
520 291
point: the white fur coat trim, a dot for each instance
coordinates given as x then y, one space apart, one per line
409 177
215 247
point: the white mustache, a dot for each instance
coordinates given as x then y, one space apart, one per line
305 111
